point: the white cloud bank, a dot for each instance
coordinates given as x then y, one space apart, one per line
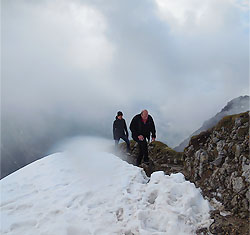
82 61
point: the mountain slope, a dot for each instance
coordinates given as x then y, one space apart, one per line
85 192
237 105
217 161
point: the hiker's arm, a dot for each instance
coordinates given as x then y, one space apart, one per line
114 126
153 130
126 129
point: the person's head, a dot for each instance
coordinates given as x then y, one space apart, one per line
144 114
119 115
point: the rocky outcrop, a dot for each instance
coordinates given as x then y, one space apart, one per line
217 161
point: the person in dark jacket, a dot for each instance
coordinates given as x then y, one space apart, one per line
141 126
120 130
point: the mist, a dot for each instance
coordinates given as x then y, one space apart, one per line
87 154
69 66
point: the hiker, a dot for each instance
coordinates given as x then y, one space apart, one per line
141 126
120 130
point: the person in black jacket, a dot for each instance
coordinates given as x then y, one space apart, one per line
141 126
120 130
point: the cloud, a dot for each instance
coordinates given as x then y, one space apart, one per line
206 17
69 66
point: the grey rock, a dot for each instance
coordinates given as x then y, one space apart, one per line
237 151
233 175
235 137
246 171
245 204
230 145
215 140
227 160
237 122
237 184
245 124
218 160
248 195
222 152
220 145
201 158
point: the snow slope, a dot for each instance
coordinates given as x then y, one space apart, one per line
81 191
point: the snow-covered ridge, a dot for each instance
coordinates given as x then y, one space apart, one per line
93 192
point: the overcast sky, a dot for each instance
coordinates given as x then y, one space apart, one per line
84 60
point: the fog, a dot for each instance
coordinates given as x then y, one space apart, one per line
81 149
69 66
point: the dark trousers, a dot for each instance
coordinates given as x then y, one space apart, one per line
143 152
125 138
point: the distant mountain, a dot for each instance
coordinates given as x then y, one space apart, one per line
235 106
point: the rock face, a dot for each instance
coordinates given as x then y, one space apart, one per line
217 161
237 105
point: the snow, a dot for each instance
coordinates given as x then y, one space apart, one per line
85 190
